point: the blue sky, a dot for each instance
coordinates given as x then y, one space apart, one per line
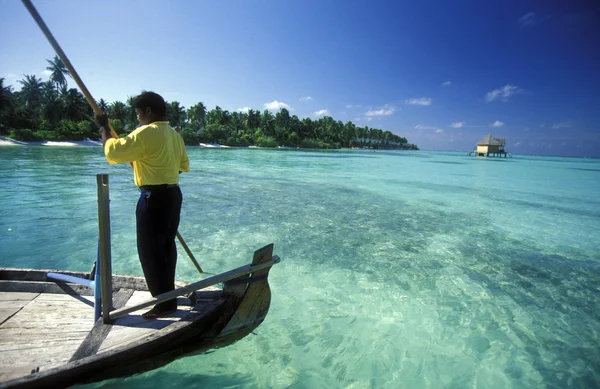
441 73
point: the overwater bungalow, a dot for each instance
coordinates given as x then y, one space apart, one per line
490 146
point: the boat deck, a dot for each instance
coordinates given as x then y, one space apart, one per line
46 330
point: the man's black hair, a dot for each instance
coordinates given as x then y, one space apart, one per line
151 100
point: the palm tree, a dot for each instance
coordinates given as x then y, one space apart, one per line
48 91
253 119
197 115
267 123
218 116
31 89
282 118
103 105
58 72
118 110
175 114
237 121
75 105
5 96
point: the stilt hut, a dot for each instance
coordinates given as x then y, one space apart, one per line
490 147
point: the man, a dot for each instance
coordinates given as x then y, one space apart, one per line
158 155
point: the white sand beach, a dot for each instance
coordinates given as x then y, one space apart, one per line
4 141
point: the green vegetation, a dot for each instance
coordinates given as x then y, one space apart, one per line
51 111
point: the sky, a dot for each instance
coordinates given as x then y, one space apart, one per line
443 74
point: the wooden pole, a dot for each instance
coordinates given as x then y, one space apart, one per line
189 252
88 96
104 246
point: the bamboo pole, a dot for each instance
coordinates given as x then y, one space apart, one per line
88 96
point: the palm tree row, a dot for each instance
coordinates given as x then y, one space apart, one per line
52 111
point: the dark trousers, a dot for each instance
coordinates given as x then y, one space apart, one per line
157 217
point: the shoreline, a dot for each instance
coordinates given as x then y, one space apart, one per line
4 141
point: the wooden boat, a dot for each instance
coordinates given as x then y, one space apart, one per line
48 337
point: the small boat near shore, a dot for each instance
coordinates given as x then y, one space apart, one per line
51 337
213 146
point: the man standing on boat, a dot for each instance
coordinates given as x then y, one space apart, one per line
158 155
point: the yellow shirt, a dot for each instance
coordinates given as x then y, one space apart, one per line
156 150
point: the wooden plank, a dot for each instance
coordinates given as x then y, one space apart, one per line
229 275
91 344
23 361
44 287
6 314
44 333
130 327
11 303
36 343
194 332
17 296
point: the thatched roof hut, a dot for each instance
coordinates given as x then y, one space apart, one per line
491 146
489 140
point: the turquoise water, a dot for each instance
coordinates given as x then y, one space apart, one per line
399 269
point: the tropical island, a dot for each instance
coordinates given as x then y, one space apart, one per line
50 111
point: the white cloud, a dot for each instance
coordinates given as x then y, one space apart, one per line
531 19
45 74
517 144
277 105
558 126
497 123
386 110
428 128
306 98
447 83
353 106
357 119
419 101
245 109
502 93
528 20
457 124
321 112
369 119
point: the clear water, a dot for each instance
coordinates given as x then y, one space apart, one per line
399 269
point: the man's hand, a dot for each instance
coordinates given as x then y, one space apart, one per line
101 120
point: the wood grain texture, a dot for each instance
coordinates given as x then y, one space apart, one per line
44 333
92 342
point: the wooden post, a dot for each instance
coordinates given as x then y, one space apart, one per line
104 246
